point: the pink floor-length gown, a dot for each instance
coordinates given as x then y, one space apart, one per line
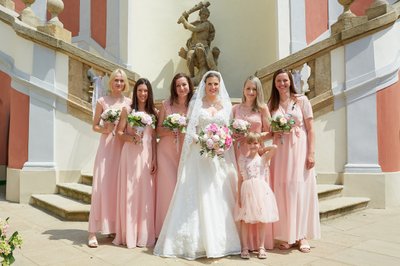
295 186
168 153
104 189
136 193
255 120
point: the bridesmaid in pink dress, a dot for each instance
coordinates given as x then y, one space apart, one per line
169 147
253 110
138 164
104 201
292 168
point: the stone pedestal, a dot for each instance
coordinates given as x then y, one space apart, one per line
378 8
8 4
347 23
27 16
56 31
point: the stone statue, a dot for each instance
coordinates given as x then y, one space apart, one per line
198 52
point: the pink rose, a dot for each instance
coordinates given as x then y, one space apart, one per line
228 142
210 143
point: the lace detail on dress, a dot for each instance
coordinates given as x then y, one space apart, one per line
205 118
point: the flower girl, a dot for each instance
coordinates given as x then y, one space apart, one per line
256 201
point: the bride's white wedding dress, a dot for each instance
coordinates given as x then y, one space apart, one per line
200 219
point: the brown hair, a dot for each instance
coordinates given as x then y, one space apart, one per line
174 94
273 102
149 107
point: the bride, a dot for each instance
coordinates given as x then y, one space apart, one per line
200 222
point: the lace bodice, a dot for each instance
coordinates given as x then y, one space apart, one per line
253 167
206 118
254 118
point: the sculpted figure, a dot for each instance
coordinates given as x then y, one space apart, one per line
198 52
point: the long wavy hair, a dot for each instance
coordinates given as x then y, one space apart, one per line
259 102
174 94
149 107
273 102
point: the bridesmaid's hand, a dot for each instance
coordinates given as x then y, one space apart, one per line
310 162
135 138
138 135
237 136
108 127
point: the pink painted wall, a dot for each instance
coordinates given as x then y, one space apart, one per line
388 112
5 88
19 129
98 21
316 18
19 6
359 6
70 16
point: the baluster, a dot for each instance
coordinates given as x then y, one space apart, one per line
54 26
377 8
8 4
347 19
27 15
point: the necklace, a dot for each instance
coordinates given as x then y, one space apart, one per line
211 104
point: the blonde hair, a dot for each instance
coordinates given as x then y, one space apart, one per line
123 75
259 102
253 137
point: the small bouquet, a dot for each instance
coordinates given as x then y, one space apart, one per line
111 115
140 120
7 246
282 124
214 140
239 126
175 122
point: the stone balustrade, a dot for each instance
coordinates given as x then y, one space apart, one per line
78 60
312 65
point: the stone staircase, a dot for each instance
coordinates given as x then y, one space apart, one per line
73 201
333 204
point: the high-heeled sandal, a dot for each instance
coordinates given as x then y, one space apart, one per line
245 254
262 253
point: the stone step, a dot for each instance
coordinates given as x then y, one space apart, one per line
336 207
87 179
62 206
326 191
76 191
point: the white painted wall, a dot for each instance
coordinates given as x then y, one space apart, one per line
331 142
155 39
75 142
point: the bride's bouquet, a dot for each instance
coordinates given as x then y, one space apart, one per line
282 124
140 120
111 115
175 122
239 126
214 140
